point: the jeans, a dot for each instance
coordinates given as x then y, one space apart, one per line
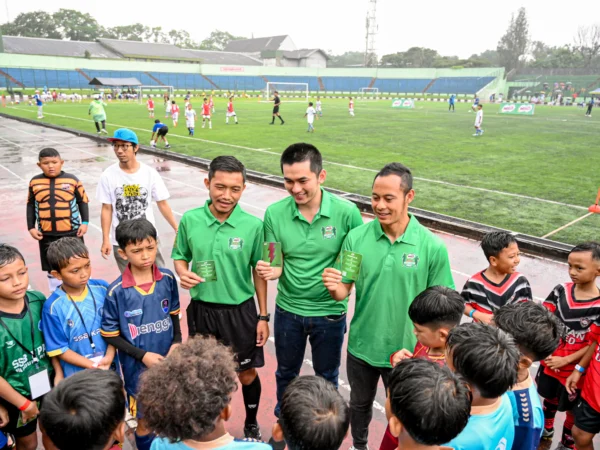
363 379
326 336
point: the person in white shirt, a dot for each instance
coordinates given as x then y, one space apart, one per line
319 107
126 190
310 117
190 119
479 120
168 109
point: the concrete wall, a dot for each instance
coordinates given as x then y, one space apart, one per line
287 45
316 61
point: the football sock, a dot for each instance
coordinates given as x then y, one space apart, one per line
104 124
97 126
550 408
567 436
281 118
273 121
251 394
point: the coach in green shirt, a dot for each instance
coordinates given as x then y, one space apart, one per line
311 225
400 259
224 242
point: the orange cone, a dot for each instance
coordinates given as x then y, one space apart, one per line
595 208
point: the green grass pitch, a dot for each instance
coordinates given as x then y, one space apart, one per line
508 178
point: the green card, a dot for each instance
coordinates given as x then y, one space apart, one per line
351 264
206 270
271 253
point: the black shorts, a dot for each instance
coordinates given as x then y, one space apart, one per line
587 418
45 242
162 131
13 418
551 388
276 109
233 325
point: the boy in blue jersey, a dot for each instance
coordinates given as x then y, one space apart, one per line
160 130
475 103
40 104
451 103
487 358
72 315
141 313
418 389
537 334
187 398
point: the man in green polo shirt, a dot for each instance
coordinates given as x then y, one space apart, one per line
223 244
400 259
311 225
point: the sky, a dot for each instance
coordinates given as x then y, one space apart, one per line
455 27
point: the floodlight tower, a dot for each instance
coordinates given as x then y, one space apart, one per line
370 56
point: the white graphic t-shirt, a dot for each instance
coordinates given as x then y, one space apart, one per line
130 194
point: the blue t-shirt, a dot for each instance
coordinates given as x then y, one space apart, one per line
476 102
157 126
38 100
142 318
494 429
62 326
228 443
528 415
452 99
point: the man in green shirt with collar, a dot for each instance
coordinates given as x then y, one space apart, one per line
400 259
223 243
311 225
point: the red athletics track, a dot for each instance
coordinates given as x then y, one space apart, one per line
19 146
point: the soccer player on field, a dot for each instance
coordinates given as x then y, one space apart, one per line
310 117
479 121
39 103
475 103
168 109
319 107
211 103
161 130
150 104
230 111
190 119
174 113
276 103
577 306
451 101
351 107
206 114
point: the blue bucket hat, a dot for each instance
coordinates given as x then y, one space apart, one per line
124 134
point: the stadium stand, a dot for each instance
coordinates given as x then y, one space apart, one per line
459 85
55 47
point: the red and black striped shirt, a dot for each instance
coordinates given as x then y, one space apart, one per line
486 296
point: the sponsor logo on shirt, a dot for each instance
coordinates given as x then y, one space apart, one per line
410 260
159 326
135 312
329 232
66 187
84 336
585 322
165 305
10 344
236 243
70 323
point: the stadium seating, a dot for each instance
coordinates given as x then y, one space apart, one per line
401 85
459 85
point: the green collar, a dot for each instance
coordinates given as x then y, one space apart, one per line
410 235
324 210
232 220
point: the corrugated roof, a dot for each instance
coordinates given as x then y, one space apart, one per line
55 47
255 45
133 49
115 82
224 58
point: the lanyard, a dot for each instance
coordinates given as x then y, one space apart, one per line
89 335
32 351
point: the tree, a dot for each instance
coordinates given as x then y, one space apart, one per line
134 32
587 43
77 26
38 24
513 46
156 35
347 59
182 39
413 57
218 40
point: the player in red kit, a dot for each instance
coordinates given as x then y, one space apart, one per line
206 114
230 112
150 104
174 113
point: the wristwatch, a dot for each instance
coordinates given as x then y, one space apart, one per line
266 318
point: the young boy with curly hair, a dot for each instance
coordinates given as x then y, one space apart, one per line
200 378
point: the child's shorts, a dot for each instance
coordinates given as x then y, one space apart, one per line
551 388
45 243
587 418
13 418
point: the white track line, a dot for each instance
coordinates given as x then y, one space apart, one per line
567 225
11 172
348 166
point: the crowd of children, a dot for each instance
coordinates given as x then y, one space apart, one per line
79 358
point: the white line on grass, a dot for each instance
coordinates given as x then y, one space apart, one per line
349 166
567 225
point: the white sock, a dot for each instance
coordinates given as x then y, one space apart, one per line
152 142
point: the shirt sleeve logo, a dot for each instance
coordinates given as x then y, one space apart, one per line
236 243
165 305
410 260
329 232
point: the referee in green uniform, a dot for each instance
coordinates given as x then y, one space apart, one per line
221 236
400 259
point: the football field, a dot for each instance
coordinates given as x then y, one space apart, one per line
532 175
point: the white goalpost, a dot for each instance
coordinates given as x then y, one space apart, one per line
154 92
368 90
293 92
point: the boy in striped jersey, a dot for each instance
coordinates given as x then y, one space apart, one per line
577 306
498 285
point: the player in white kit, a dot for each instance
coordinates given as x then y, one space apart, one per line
310 117
190 119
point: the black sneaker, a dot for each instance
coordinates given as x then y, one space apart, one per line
252 431
167 146
277 445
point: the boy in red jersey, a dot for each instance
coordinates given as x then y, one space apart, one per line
206 113
230 112
150 104
434 312
175 113
577 306
498 285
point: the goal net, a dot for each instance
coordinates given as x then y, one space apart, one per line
156 92
293 92
368 90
